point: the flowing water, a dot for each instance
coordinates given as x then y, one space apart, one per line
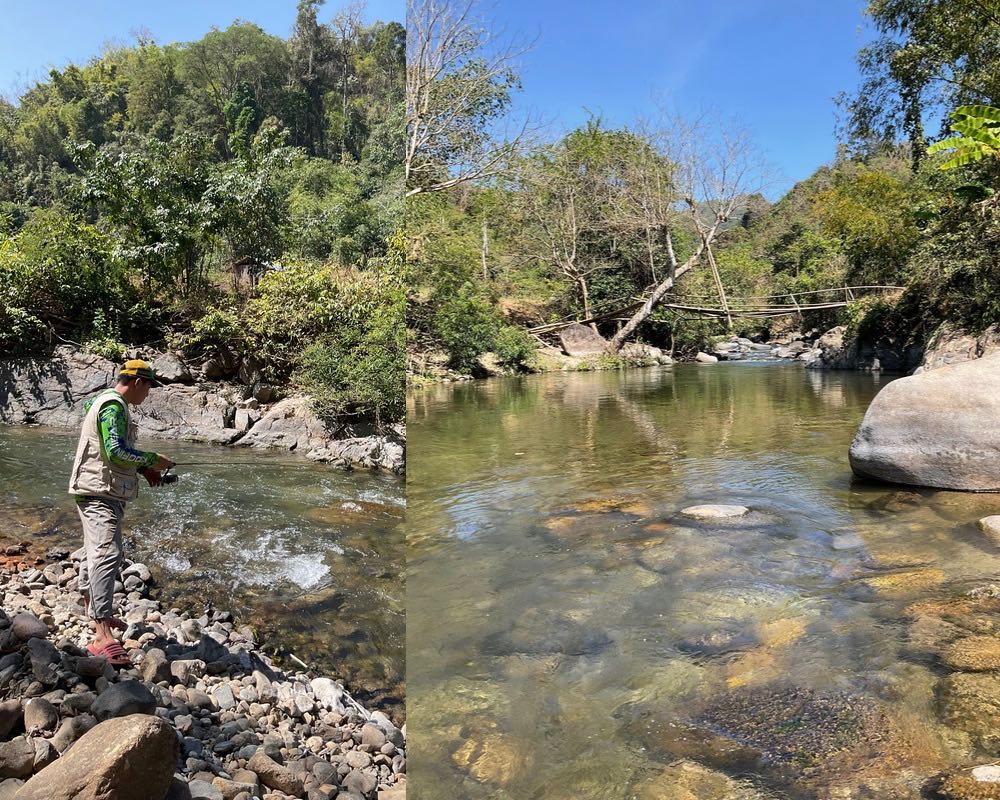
311 556
570 634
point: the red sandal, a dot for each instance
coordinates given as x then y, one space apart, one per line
113 653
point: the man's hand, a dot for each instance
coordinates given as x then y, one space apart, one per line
152 476
162 464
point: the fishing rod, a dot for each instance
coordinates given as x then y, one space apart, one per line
168 478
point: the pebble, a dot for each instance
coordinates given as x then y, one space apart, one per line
247 729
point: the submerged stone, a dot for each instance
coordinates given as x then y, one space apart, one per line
973 654
687 780
967 785
970 702
905 583
794 737
715 511
545 632
991 527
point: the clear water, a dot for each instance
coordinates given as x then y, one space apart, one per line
562 613
312 556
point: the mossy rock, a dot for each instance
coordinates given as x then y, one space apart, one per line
973 654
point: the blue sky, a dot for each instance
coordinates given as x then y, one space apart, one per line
773 64
39 34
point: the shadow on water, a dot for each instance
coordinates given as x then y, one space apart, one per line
572 635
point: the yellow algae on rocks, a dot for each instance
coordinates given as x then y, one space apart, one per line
756 667
973 654
657 527
963 786
498 759
601 504
781 632
641 508
561 524
907 582
686 780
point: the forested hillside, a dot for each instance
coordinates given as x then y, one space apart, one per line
237 198
604 214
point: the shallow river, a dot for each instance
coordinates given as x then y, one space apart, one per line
571 635
312 556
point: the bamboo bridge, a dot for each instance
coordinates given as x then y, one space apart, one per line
759 306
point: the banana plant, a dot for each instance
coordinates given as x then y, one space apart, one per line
977 130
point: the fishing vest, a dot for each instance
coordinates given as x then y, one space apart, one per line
93 475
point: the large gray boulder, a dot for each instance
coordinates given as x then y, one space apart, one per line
129 758
938 428
579 340
170 369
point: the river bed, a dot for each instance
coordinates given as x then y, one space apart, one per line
310 555
571 634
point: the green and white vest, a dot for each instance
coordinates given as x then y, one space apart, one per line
93 475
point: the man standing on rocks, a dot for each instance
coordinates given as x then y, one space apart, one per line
104 478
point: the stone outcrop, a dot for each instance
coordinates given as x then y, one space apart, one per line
938 429
291 425
950 345
130 758
579 340
53 391
834 351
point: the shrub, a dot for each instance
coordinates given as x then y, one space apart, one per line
466 326
515 348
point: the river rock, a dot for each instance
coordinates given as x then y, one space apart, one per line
372 736
580 341
973 654
11 714
360 782
797 737
17 758
170 369
129 758
705 358
715 511
203 790
328 693
123 699
991 527
40 715
71 730
980 783
935 429
970 701
26 625
154 666
687 780
274 775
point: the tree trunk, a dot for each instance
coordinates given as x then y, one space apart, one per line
485 250
719 286
640 316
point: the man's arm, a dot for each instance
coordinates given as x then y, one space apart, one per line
111 427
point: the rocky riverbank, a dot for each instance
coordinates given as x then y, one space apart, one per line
194 405
202 713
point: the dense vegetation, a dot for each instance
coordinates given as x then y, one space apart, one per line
580 225
238 197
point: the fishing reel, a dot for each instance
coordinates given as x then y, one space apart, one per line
167 478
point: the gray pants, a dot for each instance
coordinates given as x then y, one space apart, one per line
102 539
